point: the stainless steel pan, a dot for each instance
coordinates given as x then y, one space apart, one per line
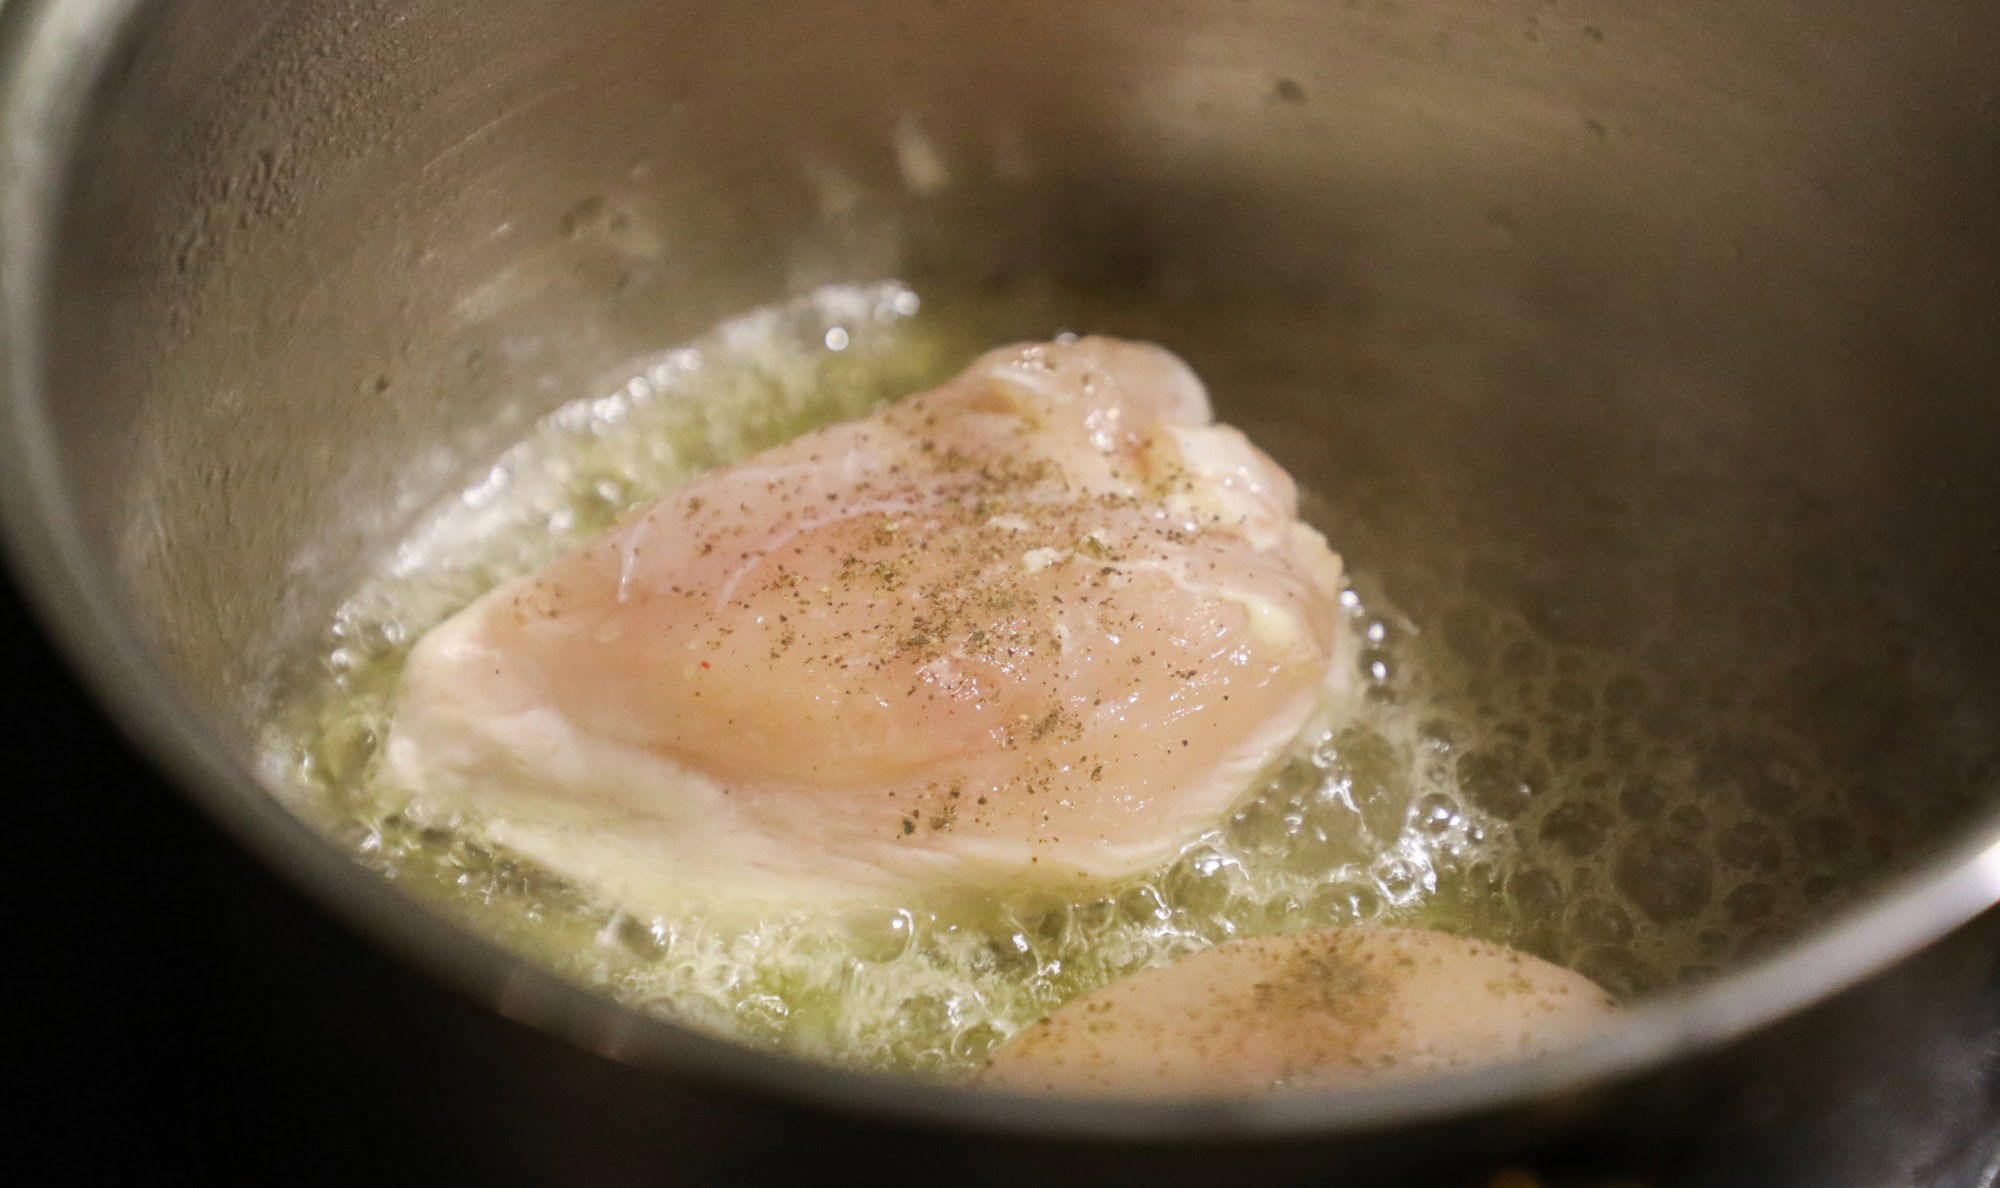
275 273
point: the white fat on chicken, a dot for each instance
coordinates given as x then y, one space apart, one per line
1342 1007
1041 625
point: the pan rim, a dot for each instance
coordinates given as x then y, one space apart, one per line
46 50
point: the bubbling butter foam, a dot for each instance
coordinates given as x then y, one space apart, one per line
1496 781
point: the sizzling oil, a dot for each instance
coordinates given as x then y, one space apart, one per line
1627 811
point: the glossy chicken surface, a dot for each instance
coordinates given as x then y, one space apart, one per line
1043 624
1341 1007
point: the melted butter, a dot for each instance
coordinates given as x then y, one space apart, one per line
1493 782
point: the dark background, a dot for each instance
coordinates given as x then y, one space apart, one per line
164 1036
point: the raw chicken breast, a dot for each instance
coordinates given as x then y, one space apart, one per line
1342 1007
1043 624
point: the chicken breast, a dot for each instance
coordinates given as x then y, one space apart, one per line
1338 1008
1043 624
